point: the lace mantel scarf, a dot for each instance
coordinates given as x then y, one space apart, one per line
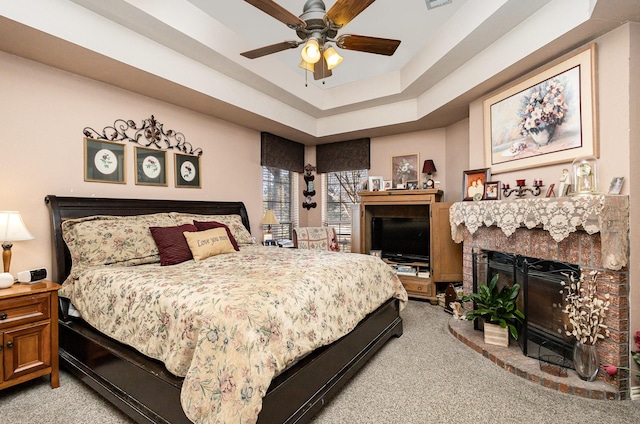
608 215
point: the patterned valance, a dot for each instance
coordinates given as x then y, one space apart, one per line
608 215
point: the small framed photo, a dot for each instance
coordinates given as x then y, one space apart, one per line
187 171
387 185
473 182
376 184
412 185
104 161
492 190
151 167
550 191
376 253
616 185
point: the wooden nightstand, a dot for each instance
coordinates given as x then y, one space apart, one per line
29 333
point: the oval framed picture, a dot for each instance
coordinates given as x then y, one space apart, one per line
187 169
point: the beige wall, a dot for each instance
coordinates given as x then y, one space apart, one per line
43 112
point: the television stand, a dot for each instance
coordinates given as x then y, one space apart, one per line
445 264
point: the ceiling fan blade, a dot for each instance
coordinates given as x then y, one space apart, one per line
362 43
343 11
273 48
280 13
320 69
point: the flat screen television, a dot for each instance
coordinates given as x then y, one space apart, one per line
401 239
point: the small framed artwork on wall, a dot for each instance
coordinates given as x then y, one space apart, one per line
187 171
151 167
104 161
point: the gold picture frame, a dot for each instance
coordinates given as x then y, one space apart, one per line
104 161
404 169
187 171
150 167
544 119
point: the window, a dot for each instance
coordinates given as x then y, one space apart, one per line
279 193
340 194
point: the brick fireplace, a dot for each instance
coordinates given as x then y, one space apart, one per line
523 227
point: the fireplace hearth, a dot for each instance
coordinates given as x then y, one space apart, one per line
542 333
590 233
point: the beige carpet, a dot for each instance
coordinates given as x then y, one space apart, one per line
426 376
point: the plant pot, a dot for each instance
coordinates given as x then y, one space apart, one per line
496 335
586 361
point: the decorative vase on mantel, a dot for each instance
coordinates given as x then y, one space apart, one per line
543 136
586 361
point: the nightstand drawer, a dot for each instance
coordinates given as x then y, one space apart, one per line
418 285
24 309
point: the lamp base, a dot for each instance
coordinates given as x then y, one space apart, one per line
6 280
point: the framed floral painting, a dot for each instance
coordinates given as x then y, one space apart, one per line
187 171
404 169
544 119
151 167
104 161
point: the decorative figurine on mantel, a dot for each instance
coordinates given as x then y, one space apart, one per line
565 183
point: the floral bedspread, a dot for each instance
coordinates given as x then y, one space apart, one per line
232 322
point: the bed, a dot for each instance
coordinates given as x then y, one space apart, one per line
144 388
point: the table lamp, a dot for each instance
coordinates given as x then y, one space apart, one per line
429 168
12 229
269 219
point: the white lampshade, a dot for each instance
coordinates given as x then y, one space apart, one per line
311 51
12 227
332 57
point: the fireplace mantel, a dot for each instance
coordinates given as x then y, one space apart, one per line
561 216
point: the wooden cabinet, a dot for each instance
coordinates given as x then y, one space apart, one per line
29 333
445 264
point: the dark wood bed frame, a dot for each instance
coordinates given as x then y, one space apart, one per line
144 390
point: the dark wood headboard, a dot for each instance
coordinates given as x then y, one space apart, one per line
63 208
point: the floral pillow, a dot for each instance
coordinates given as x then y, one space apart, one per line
105 240
234 222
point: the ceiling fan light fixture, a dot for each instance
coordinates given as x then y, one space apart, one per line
332 57
306 65
311 51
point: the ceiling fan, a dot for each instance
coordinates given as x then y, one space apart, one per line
317 29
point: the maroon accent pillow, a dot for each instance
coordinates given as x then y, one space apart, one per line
171 243
203 226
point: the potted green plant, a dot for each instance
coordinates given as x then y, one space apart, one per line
498 309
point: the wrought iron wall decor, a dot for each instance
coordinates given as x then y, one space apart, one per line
150 133
309 191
